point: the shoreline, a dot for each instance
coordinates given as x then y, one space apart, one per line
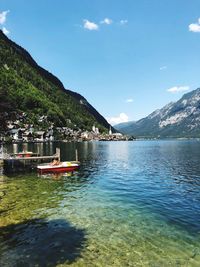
96 140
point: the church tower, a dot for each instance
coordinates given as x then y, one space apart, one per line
110 131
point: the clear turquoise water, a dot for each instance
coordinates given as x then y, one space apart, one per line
131 204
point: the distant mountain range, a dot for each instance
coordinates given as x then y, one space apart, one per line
177 119
25 87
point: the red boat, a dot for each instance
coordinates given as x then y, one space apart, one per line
66 166
24 154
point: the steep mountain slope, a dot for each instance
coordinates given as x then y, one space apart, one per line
179 119
26 87
123 126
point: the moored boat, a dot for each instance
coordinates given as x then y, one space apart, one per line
24 154
66 166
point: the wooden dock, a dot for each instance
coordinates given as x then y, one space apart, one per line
18 164
34 158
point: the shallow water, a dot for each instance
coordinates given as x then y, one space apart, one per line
131 204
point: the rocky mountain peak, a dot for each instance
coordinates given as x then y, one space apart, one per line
176 119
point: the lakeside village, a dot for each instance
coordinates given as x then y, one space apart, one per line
19 131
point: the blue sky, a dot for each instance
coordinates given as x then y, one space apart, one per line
126 57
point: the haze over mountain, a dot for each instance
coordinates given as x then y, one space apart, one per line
27 87
176 119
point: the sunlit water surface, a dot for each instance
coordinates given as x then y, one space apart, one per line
131 204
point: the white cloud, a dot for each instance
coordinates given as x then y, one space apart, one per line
129 100
89 25
5 31
3 15
107 21
123 21
115 120
195 27
163 68
177 89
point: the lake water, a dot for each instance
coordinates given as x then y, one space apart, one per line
130 204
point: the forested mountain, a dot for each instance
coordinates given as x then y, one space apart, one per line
27 88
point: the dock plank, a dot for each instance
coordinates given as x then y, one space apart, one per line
33 158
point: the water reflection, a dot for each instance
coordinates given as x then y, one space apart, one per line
68 179
55 176
41 243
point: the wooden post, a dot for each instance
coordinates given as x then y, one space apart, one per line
58 153
2 152
76 154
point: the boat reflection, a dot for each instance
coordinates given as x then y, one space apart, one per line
57 176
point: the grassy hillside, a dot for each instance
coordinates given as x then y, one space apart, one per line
26 87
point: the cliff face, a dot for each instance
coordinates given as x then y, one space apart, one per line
27 87
179 119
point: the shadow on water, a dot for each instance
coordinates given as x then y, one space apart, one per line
41 243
